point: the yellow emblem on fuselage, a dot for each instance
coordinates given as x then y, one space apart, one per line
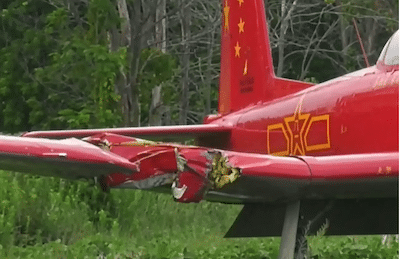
296 134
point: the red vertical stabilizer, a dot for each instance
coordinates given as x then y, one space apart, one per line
247 73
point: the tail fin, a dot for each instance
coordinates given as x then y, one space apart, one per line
247 73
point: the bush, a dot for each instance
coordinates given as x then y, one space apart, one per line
48 217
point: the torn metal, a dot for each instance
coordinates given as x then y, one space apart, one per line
192 171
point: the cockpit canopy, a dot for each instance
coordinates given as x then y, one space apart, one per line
390 53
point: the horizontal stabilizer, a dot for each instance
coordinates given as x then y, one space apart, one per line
335 217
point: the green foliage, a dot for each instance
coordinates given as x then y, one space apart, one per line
57 71
382 9
23 48
80 78
157 69
25 205
53 218
79 84
101 17
353 247
329 1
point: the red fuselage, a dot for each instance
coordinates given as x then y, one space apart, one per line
353 114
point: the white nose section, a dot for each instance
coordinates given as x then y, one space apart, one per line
178 192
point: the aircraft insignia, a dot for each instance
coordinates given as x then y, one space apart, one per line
298 134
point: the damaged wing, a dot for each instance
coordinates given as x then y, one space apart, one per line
197 173
191 170
69 158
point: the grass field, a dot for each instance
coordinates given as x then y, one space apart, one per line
53 218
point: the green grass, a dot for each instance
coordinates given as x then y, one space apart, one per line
53 218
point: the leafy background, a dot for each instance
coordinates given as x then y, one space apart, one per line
52 218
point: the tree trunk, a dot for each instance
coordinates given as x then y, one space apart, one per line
118 40
161 30
125 26
133 115
372 30
343 33
285 18
207 89
155 111
185 61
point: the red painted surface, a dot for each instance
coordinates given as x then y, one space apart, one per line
247 73
177 131
338 139
355 113
344 166
71 149
69 158
363 118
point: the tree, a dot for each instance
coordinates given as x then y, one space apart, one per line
97 63
185 17
57 71
317 39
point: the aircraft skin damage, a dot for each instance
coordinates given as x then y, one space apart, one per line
191 170
197 173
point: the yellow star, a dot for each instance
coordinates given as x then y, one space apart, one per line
226 16
240 2
237 50
296 125
245 68
241 25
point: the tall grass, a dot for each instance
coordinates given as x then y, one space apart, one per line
53 218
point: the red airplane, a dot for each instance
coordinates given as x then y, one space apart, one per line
297 155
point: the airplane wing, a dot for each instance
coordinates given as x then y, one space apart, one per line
68 158
197 173
164 133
